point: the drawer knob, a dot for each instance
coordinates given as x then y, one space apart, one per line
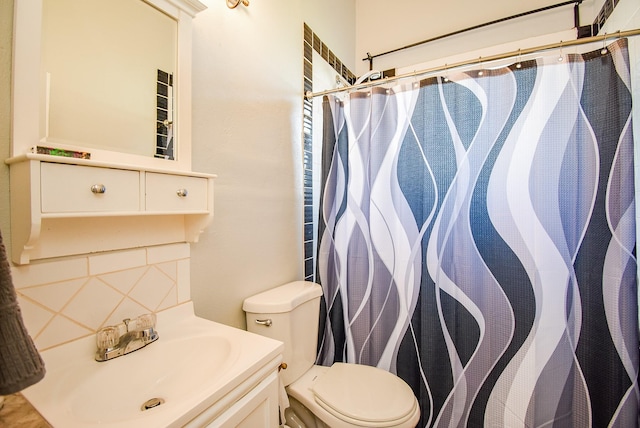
182 193
98 188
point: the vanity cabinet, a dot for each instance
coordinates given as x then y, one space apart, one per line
63 206
258 408
250 405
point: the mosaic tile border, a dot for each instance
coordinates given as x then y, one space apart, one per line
313 43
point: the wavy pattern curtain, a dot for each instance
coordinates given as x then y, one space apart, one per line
477 237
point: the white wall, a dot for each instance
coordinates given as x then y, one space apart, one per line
247 128
246 121
334 22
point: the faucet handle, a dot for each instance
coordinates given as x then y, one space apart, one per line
146 321
107 337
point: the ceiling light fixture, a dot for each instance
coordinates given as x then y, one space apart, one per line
232 4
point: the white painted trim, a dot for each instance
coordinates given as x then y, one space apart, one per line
26 85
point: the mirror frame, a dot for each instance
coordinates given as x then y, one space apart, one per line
26 83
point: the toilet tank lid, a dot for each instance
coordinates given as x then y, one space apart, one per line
283 298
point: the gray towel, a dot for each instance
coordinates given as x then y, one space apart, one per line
20 363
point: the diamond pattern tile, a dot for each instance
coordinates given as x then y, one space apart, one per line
54 296
169 269
124 280
126 309
64 300
35 316
93 304
59 330
170 300
152 288
184 281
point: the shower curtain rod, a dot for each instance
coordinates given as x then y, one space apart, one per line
478 61
576 19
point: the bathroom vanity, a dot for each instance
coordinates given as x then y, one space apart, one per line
197 374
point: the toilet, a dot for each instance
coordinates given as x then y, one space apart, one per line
340 396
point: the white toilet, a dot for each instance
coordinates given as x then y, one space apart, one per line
340 396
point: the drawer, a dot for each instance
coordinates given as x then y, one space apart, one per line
68 188
176 193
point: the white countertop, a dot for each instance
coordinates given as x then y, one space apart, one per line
193 365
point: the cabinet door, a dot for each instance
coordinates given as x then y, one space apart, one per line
175 193
67 188
257 409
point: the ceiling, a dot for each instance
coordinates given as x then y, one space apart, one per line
383 26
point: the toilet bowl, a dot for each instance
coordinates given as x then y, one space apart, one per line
352 395
340 396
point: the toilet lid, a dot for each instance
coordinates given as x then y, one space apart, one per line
364 394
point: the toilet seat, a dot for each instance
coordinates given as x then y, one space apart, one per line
364 395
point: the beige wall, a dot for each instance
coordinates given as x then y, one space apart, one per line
247 128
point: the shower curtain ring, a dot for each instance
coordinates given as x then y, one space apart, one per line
561 57
416 81
604 45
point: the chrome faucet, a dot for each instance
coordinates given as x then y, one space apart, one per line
126 337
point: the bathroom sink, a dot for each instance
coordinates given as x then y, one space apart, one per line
192 366
116 390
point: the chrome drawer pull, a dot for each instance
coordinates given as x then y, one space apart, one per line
266 323
98 188
182 193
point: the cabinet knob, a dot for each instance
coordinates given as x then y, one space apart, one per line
182 193
98 188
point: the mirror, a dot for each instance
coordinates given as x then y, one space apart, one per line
106 76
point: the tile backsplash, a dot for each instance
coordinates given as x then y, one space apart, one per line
66 299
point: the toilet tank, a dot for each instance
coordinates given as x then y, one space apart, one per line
288 313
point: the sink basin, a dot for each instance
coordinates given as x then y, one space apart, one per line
116 390
194 364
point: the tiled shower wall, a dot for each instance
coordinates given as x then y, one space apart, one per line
67 299
312 42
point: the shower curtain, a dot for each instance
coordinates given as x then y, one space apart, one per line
477 238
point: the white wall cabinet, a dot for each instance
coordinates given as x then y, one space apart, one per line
73 188
63 206
175 193
122 197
